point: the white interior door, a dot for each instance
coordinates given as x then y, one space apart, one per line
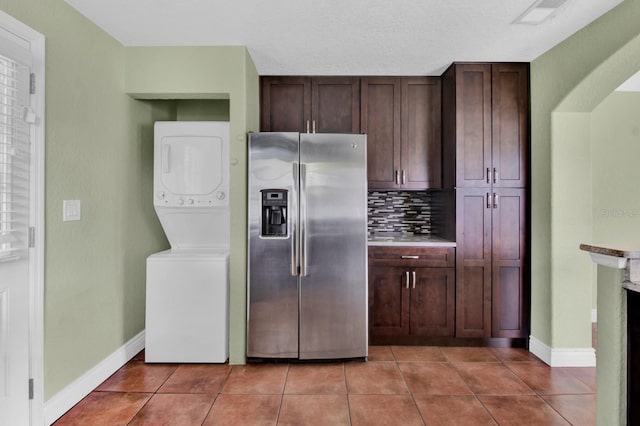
15 220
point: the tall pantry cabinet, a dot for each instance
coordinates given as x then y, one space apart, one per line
486 163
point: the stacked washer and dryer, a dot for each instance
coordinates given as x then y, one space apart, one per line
187 292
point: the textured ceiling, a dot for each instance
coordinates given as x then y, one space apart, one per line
345 37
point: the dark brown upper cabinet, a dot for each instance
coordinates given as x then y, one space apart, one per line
310 104
486 125
401 117
380 107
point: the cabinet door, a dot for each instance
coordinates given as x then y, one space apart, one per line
510 111
473 263
432 302
335 104
388 301
473 124
421 146
285 104
510 302
380 120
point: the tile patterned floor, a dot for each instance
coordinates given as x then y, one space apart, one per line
399 385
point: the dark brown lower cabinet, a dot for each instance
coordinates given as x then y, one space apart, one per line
411 293
492 296
388 301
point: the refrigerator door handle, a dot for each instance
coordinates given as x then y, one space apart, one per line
293 215
303 220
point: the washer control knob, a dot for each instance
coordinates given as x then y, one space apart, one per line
220 195
190 201
180 201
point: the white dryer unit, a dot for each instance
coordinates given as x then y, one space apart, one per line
187 305
191 182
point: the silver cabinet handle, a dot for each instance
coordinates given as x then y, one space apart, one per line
495 175
413 273
495 200
397 177
407 278
409 257
314 126
404 177
488 174
307 126
295 243
488 200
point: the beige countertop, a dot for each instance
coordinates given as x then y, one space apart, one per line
411 240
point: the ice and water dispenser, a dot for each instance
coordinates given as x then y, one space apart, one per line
274 213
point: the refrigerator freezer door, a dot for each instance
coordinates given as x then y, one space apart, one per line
272 330
333 290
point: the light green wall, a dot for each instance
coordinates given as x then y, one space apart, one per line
571 224
567 83
615 141
611 380
210 73
99 150
202 110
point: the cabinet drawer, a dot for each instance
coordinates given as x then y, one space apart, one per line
412 256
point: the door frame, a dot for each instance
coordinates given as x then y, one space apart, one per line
36 213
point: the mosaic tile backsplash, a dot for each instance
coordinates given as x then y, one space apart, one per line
406 212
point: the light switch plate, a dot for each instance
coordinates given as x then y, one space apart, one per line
71 210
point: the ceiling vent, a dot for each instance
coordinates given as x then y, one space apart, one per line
539 12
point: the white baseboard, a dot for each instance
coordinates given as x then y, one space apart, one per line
562 357
64 400
594 315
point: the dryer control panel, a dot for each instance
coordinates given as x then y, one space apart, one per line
171 200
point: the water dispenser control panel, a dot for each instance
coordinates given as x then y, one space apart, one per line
274 213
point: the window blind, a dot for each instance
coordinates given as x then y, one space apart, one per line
14 159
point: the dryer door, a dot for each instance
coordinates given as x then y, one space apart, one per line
188 165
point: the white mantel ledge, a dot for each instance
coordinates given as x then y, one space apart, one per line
629 260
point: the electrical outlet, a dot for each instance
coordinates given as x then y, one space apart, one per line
71 210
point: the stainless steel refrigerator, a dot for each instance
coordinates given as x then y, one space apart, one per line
307 262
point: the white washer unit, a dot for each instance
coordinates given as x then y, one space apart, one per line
187 305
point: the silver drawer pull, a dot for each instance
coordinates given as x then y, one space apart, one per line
413 273
407 272
410 257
